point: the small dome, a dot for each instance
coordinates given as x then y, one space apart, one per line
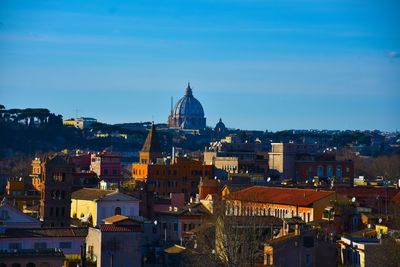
188 105
220 126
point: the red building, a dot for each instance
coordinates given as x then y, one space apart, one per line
323 166
81 161
107 166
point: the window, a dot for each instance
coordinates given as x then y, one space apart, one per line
65 245
339 171
105 171
30 264
320 171
57 211
329 171
175 227
114 172
15 245
40 245
308 259
269 260
62 194
117 211
308 241
51 211
62 211
58 177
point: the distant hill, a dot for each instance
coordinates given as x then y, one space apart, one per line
33 130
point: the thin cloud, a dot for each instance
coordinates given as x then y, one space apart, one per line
393 54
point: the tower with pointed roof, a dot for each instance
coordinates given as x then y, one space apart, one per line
188 113
151 149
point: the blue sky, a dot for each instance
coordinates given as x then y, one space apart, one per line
301 64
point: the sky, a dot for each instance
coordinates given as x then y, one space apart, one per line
257 64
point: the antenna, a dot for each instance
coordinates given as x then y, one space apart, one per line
172 104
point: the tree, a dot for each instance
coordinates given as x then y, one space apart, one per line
386 166
232 240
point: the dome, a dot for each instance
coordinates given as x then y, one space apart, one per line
188 113
220 126
188 105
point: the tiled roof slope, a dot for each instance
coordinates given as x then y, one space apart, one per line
152 143
115 218
119 228
280 195
45 232
90 193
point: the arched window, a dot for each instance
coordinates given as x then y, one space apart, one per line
329 171
117 211
320 171
339 171
30 264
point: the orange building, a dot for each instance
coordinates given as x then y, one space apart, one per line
179 175
20 193
280 202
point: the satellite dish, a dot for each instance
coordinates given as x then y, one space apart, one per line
380 220
353 199
269 179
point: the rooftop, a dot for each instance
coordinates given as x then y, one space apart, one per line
196 209
280 195
90 193
119 228
114 219
152 143
44 232
175 249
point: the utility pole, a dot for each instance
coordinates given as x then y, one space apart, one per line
83 255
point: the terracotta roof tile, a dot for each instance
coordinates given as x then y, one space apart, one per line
118 228
115 218
280 195
45 232
396 198
90 193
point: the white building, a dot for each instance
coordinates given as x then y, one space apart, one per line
11 217
94 205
